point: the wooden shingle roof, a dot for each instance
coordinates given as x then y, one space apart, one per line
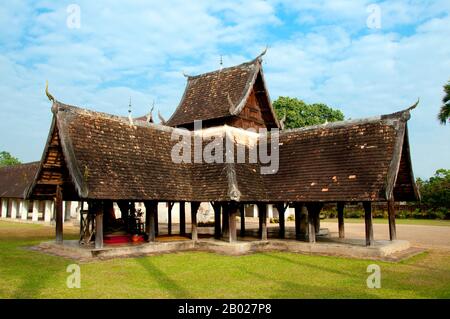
219 94
108 158
344 161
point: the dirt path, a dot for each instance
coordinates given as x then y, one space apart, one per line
436 237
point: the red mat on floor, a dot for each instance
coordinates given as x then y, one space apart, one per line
117 239
123 239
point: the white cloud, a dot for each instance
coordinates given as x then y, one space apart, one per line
373 74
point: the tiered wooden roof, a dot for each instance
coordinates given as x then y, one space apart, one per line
236 96
100 156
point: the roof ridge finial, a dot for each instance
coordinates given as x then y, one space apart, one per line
150 114
406 115
262 53
50 97
414 105
130 118
221 62
161 118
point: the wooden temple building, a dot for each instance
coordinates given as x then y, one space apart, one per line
101 159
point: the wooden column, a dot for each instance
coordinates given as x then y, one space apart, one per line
225 220
194 209
217 229
311 222
281 208
317 219
259 221
131 212
391 216
298 212
368 219
242 211
124 207
151 208
340 211
169 218
182 218
156 222
262 212
98 206
59 214
232 213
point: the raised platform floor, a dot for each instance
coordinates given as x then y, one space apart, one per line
353 248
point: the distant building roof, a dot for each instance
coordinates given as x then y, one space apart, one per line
14 180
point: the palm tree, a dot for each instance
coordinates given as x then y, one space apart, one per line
444 114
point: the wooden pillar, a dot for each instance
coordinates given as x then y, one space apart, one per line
340 211
59 214
233 208
169 217
124 207
182 218
316 215
281 212
368 219
194 209
259 221
311 222
130 213
242 212
151 208
262 212
217 229
298 211
391 216
156 222
98 210
225 220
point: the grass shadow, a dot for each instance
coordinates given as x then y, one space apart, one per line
312 266
164 281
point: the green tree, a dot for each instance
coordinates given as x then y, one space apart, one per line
300 114
444 113
7 159
435 192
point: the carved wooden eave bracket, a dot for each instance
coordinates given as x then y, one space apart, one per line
233 190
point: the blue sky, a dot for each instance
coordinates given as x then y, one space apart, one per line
319 51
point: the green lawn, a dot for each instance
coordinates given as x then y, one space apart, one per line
427 222
29 274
